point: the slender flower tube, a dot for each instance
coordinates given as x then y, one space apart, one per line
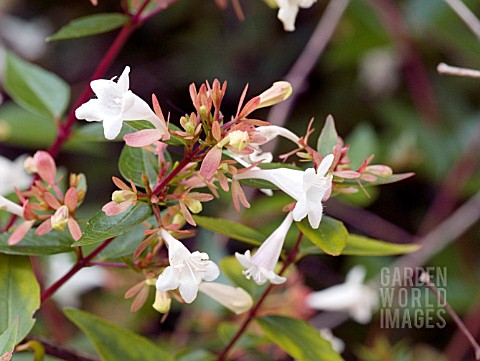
236 299
114 104
261 265
11 207
186 271
353 297
309 188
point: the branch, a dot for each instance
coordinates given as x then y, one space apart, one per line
84 262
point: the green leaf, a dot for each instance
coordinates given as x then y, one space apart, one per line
297 338
330 237
20 294
102 227
134 162
124 245
90 25
34 88
231 229
364 246
8 339
33 245
21 127
328 137
113 342
380 181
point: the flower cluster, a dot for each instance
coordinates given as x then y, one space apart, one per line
45 202
219 152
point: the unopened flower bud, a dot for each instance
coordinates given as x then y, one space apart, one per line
382 171
203 112
278 92
162 302
239 139
29 165
223 168
123 196
178 219
194 205
59 220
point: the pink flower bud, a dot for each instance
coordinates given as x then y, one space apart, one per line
45 166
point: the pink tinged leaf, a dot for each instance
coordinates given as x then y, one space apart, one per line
45 166
216 131
186 213
71 199
44 228
140 300
238 195
142 138
157 108
120 184
51 200
348 174
222 179
134 290
74 229
249 107
112 208
211 162
20 232
242 98
142 246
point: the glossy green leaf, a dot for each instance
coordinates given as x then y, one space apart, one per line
297 338
330 237
134 162
231 229
33 245
8 339
34 88
90 25
328 137
113 342
20 294
102 227
364 246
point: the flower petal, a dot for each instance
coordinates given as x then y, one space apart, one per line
168 280
212 272
325 165
123 81
188 287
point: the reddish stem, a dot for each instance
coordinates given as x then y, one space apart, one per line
65 129
77 267
187 159
253 311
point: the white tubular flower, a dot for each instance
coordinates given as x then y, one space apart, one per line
337 343
353 297
13 174
236 299
270 132
186 271
114 104
309 188
9 206
288 11
262 264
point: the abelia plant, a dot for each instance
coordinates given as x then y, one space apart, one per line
173 169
